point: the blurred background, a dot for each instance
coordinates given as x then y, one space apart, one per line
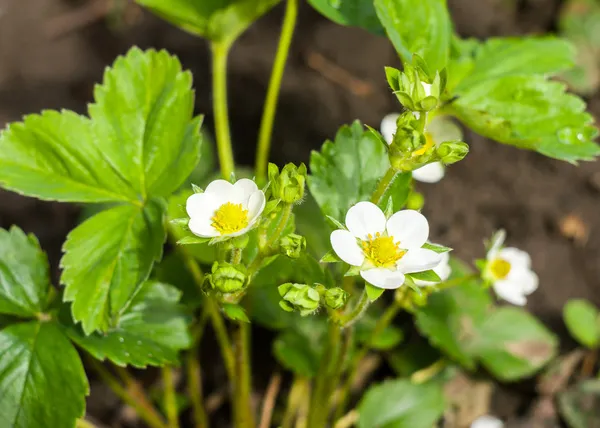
53 51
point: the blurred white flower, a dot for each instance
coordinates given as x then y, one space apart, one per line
509 271
487 422
438 130
225 209
443 270
384 249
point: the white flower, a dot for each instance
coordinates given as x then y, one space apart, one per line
443 270
438 130
384 249
225 209
487 422
509 270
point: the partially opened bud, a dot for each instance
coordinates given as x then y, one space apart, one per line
288 185
299 297
227 278
292 245
335 298
451 152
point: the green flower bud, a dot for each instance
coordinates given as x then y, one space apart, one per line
415 201
414 88
228 278
299 297
292 245
288 185
335 298
450 152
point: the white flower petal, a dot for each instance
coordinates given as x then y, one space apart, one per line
496 244
241 231
515 257
219 187
345 246
202 205
388 127
487 422
430 173
442 128
418 260
510 291
365 218
525 278
246 185
202 227
383 278
443 270
409 227
256 205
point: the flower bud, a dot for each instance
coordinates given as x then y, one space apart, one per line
415 201
414 88
288 185
335 298
450 152
292 245
227 278
299 297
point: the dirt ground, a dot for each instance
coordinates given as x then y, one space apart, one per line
53 53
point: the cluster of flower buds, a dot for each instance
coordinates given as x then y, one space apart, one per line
307 299
287 185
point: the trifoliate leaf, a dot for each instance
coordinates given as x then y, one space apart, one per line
356 13
151 331
440 249
346 171
373 293
24 277
583 321
428 275
235 312
530 112
427 32
512 344
42 381
56 156
216 20
142 117
401 404
106 260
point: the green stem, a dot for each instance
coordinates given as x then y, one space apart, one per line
294 399
82 423
236 256
384 185
348 319
222 338
170 397
194 375
245 418
266 125
283 221
220 50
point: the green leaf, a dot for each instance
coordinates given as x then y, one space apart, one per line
172 270
106 260
373 293
530 112
413 356
346 171
428 275
518 56
401 404
583 321
436 247
235 312
142 117
579 405
151 331
55 156
296 353
389 338
357 13
24 276
216 20
42 381
418 26
512 344
397 191
311 224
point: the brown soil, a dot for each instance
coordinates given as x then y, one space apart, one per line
334 76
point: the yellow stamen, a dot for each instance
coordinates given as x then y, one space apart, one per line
382 251
429 143
230 218
499 268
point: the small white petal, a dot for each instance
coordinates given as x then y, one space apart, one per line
383 278
246 185
241 231
388 127
442 128
256 205
510 291
219 187
202 227
365 218
409 227
418 260
496 244
525 278
515 257
487 422
345 246
201 205
430 173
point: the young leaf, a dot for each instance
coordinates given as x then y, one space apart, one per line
530 112
401 404
106 260
142 118
151 331
55 156
24 277
428 275
42 381
357 13
418 26
235 312
346 171
583 321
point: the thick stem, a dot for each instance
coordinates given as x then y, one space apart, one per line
298 389
244 415
268 117
194 383
384 185
170 397
219 79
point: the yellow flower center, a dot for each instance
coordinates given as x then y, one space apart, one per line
230 218
499 268
429 143
382 251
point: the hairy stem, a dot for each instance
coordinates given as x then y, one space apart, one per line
268 117
384 185
194 384
348 319
220 50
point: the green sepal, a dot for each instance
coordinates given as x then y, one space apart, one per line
190 240
373 293
440 249
330 257
336 223
428 275
235 312
353 271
